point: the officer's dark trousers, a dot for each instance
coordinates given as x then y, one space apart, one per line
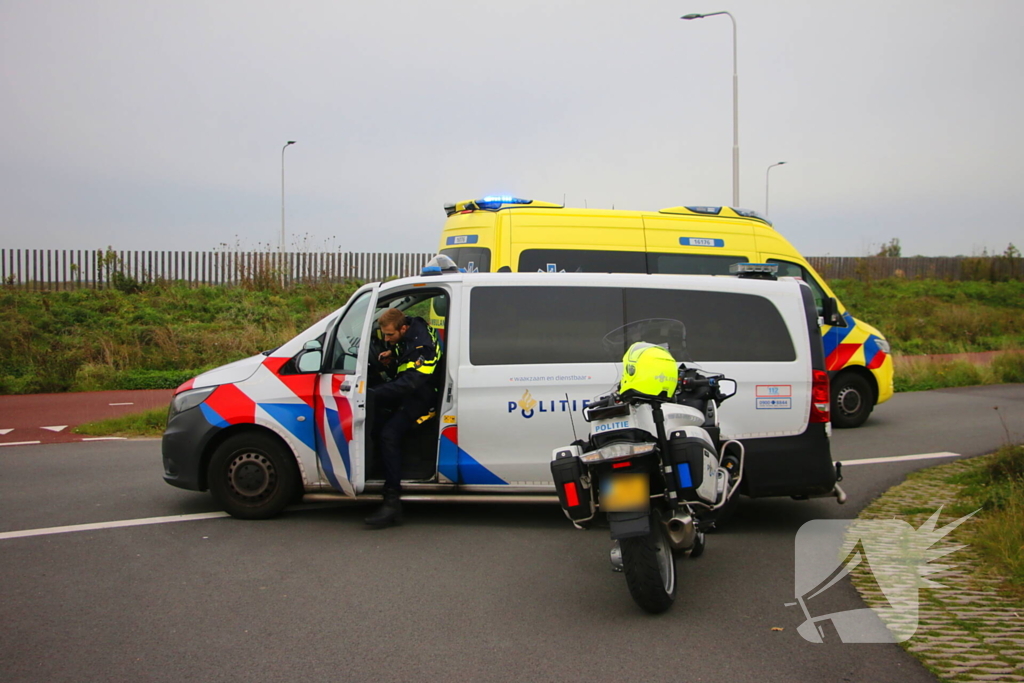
410 400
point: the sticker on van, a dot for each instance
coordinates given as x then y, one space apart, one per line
701 242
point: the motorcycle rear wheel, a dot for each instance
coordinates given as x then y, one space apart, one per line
650 568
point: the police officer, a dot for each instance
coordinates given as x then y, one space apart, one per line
413 356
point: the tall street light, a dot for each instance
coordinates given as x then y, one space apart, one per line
766 186
290 142
735 107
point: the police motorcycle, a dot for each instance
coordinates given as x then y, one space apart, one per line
653 464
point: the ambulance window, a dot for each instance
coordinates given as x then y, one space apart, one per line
473 259
345 346
720 326
541 325
582 261
787 269
692 264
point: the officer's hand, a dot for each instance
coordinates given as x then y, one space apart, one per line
385 357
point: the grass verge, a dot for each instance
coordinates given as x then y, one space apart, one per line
996 485
148 423
921 374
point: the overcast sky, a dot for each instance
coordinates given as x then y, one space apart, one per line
159 125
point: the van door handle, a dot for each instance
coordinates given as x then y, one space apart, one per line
346 387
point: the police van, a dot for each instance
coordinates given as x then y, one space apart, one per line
522 357
526 236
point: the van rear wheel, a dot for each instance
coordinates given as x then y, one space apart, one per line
253 476
852 400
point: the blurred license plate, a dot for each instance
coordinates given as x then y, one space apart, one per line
625 493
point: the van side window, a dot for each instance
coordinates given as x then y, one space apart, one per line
582 261
473 259
345 344
691 264
527 325
720 326
787 269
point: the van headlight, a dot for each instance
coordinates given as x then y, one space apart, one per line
187 400
882 345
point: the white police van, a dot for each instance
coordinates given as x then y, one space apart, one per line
522 357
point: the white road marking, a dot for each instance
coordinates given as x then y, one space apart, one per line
4 432
120 404
20 443
55 428
104 438
110 525
899 458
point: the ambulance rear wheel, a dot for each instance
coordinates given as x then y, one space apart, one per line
852 400
253 476
650 568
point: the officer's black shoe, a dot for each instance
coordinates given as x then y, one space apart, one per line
388 513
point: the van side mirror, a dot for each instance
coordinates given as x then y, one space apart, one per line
830 314
311 357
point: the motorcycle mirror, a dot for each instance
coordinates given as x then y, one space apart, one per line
727 387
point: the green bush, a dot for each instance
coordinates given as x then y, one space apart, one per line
1009 367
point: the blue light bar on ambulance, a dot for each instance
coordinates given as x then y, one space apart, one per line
707 210
765 271
496 201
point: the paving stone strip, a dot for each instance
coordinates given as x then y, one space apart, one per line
969 630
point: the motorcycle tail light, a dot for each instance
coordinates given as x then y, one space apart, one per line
820 397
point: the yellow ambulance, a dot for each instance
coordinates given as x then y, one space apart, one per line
522 235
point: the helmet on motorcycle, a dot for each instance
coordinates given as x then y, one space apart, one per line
649 370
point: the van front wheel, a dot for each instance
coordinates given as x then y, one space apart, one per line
852 400
252 476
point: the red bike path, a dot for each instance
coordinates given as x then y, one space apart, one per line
50 418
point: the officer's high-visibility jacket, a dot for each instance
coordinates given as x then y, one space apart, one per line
417 355
419 350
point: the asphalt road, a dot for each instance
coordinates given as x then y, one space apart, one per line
459 592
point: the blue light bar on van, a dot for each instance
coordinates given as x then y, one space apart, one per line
708 210
440 264
496 201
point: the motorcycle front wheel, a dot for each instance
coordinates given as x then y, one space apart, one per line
650 568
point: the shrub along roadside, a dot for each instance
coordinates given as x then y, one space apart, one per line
91 340
921 374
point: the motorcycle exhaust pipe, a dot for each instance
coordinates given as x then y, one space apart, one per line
681 531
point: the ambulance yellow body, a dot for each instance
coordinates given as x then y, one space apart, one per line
521 235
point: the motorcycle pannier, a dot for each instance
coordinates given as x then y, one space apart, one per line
574 492
694 467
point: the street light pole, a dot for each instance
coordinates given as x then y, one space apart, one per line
735 106
766 186
290 142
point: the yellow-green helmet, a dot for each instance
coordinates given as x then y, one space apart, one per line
650 370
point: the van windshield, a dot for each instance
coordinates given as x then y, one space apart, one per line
473 259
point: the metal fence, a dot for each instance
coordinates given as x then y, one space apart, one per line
994 268
72 269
